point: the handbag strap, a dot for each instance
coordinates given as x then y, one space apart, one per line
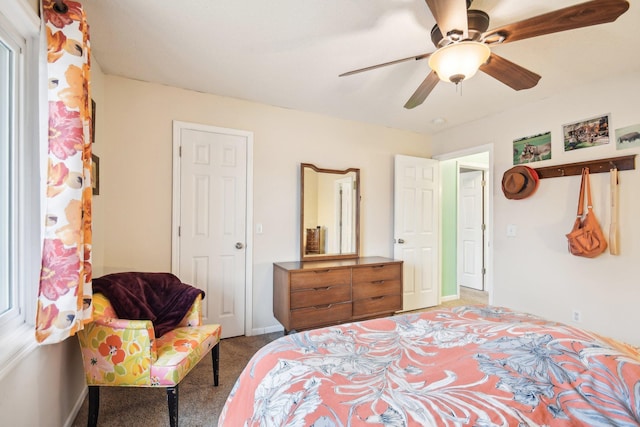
584 187
588 188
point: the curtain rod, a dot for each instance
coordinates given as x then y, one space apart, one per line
60 7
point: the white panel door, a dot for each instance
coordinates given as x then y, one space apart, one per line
470 230
417 228
212 237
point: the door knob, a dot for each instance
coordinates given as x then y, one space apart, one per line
239 245
401 241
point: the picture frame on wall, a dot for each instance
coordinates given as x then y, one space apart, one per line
532 148
95 175
93 121
628 137
586 133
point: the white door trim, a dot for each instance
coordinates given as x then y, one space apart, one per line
175 218
490 232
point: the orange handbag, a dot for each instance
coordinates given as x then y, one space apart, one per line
586 239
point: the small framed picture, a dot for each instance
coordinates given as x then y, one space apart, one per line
95 175
628 137
586 133
532 148
93 121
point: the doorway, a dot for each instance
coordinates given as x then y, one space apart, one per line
467 250
211 224
471 227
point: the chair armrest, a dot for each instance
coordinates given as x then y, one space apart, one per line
118 351
194 315
132 330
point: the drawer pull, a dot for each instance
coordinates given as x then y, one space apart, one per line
322 271
378 266
378 282
323 307
376 298
324 288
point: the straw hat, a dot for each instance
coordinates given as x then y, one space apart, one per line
519 182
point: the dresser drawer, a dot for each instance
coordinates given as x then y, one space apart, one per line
371 306
376 288
321 295
319 278
312 317
377 272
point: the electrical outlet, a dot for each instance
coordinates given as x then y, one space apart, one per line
576 316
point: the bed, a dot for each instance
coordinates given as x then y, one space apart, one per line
472 365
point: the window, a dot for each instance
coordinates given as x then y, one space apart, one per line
8 84
19 181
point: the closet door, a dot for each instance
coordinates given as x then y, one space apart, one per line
212 229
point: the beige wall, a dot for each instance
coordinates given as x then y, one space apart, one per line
97 211
533 271
136 175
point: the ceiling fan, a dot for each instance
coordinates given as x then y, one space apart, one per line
463 42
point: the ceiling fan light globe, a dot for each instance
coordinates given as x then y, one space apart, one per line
459 61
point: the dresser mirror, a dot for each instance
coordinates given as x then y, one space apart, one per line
329 213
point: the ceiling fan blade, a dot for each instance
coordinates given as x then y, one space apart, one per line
397 61
513 75
581 15
423 90
450 15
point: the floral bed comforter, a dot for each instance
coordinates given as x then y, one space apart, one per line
475 366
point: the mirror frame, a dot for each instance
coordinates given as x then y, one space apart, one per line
351 255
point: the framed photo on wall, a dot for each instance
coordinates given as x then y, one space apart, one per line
93 121
586 133
628 137
95 175
532 148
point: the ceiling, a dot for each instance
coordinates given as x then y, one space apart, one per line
289 53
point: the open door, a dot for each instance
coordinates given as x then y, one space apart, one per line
471 228
416 229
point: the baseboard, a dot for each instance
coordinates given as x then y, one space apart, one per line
267 330
450 298
76 408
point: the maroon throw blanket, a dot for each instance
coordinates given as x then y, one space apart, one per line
159 297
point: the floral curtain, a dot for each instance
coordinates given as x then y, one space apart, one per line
64 299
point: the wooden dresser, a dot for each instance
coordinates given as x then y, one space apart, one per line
311 294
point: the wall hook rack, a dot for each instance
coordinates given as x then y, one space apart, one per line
622 163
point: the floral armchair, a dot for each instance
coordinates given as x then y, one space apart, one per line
120 352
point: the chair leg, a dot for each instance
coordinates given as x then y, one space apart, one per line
215 357
94 405
172 400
